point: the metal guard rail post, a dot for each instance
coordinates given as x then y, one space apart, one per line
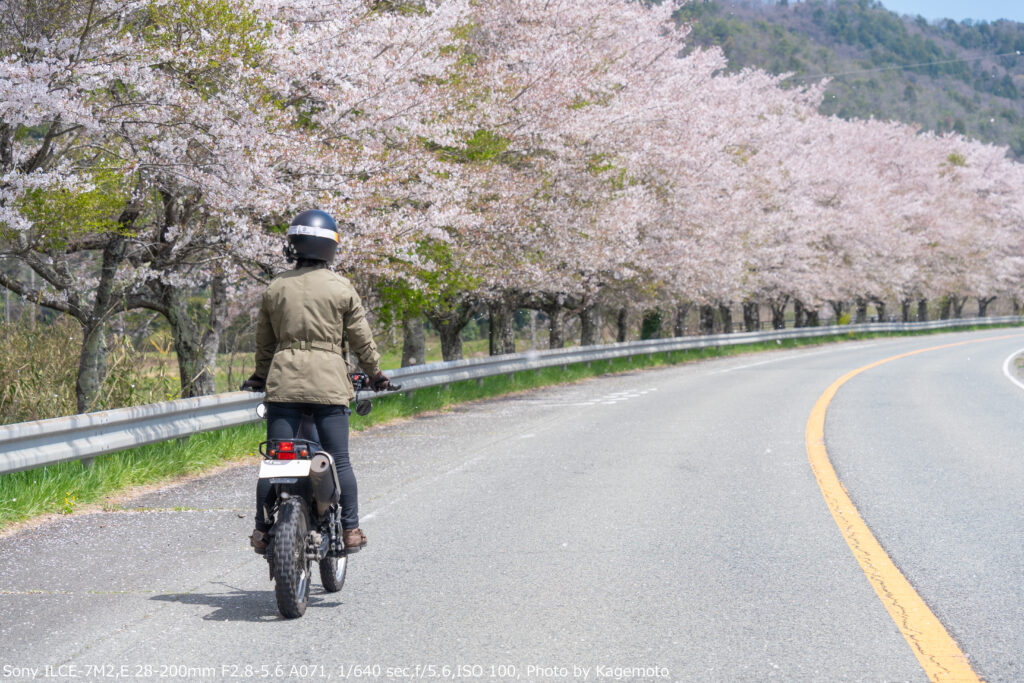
82 437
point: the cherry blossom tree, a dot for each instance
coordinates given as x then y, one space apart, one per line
208 111
67 194
551 154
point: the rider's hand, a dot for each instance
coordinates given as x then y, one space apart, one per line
380 382
254 383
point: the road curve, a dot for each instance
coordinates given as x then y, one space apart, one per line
657 525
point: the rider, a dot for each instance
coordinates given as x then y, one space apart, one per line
306 315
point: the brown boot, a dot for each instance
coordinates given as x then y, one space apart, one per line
354 539
258 541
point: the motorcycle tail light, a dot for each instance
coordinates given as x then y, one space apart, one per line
286 450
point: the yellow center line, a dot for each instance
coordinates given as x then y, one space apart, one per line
934 648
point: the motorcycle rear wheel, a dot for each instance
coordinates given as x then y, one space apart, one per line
291 567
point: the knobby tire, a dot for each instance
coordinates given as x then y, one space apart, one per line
291 568
332 573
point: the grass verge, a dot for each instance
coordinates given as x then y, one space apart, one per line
65 487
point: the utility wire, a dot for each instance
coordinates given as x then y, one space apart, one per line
900 67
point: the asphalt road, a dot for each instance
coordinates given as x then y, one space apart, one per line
657 525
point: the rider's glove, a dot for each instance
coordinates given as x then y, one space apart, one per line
380 382
254 383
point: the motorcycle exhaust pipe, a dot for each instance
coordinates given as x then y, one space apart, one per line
324 478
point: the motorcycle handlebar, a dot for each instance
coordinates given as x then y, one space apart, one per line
361 381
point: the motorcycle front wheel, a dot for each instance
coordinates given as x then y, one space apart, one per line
332 573
291 568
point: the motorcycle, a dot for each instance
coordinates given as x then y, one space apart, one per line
302 507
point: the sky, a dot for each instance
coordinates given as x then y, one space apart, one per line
988 10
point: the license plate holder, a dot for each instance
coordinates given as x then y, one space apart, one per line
272 469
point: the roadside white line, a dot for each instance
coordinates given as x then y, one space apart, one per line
421 484
798 356
1006 368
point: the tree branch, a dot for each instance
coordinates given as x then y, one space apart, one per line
39 158
23 290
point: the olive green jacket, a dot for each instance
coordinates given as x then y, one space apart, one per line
305 317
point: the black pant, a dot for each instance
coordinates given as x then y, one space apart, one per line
284 421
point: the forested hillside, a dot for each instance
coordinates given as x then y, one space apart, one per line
946 76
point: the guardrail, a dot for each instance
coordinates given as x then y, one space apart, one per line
82 437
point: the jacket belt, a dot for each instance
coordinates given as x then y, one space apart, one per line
307 345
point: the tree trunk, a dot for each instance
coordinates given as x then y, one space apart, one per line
622 325
449 324
590 324
556 325
682 310
983 304
725 311
195 375
414 341
905 310
707 319
922 310
838 308
799 314
92 358
751 316
218 322
502 338
862 311
92 366
958 305
195 342
944 306
880 309
812 318
779 314
451 342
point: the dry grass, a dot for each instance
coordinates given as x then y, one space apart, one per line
39 368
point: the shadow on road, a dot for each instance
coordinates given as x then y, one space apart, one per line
240 605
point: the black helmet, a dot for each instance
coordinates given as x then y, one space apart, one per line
312 235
